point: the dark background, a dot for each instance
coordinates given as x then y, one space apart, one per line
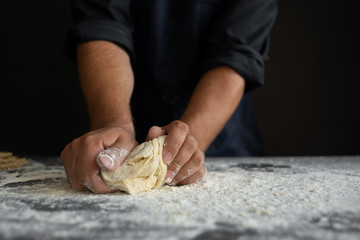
309 105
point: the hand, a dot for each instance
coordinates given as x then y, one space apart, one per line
181 152
79 157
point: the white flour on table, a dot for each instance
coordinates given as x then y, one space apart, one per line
294 200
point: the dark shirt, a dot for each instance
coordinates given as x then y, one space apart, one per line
172 43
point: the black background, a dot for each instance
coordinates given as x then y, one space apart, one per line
309 105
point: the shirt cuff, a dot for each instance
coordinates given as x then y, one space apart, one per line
244 60
92 30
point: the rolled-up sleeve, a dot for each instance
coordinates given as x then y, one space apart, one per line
100 20
239 38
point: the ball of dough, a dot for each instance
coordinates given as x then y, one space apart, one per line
143 169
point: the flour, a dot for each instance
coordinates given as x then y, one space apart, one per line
298 200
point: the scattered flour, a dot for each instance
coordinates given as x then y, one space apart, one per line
280 197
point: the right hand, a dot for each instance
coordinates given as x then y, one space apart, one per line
79 157
181 153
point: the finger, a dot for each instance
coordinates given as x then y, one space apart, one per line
89 178
194 178
96 184
154 132
66 159
76 185
86 172
111 158
192 166
72 178
176 132
184 155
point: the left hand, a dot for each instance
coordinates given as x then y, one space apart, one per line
181 153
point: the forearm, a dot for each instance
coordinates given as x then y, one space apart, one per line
213 102
107 82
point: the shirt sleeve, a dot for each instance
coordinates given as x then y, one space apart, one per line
100 20
239 38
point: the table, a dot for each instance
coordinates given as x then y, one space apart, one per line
247 198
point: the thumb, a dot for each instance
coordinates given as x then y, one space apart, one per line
154 132
111 158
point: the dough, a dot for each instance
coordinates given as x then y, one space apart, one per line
143 169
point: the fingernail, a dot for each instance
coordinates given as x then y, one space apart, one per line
106 161
108 157
169 177
167 156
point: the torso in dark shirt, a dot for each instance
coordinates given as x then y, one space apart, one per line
167 41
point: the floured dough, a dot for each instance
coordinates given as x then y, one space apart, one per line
143 169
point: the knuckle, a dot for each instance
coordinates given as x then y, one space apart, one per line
82 180
202 171
81 176
178 178
181 125
88 139
75 142
175 167
153 128
174 146
73 183
199 158
192 142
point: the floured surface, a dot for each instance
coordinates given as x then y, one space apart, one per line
251 198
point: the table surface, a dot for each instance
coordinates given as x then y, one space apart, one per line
247 198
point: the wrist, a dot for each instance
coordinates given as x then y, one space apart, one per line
213 102
124 122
